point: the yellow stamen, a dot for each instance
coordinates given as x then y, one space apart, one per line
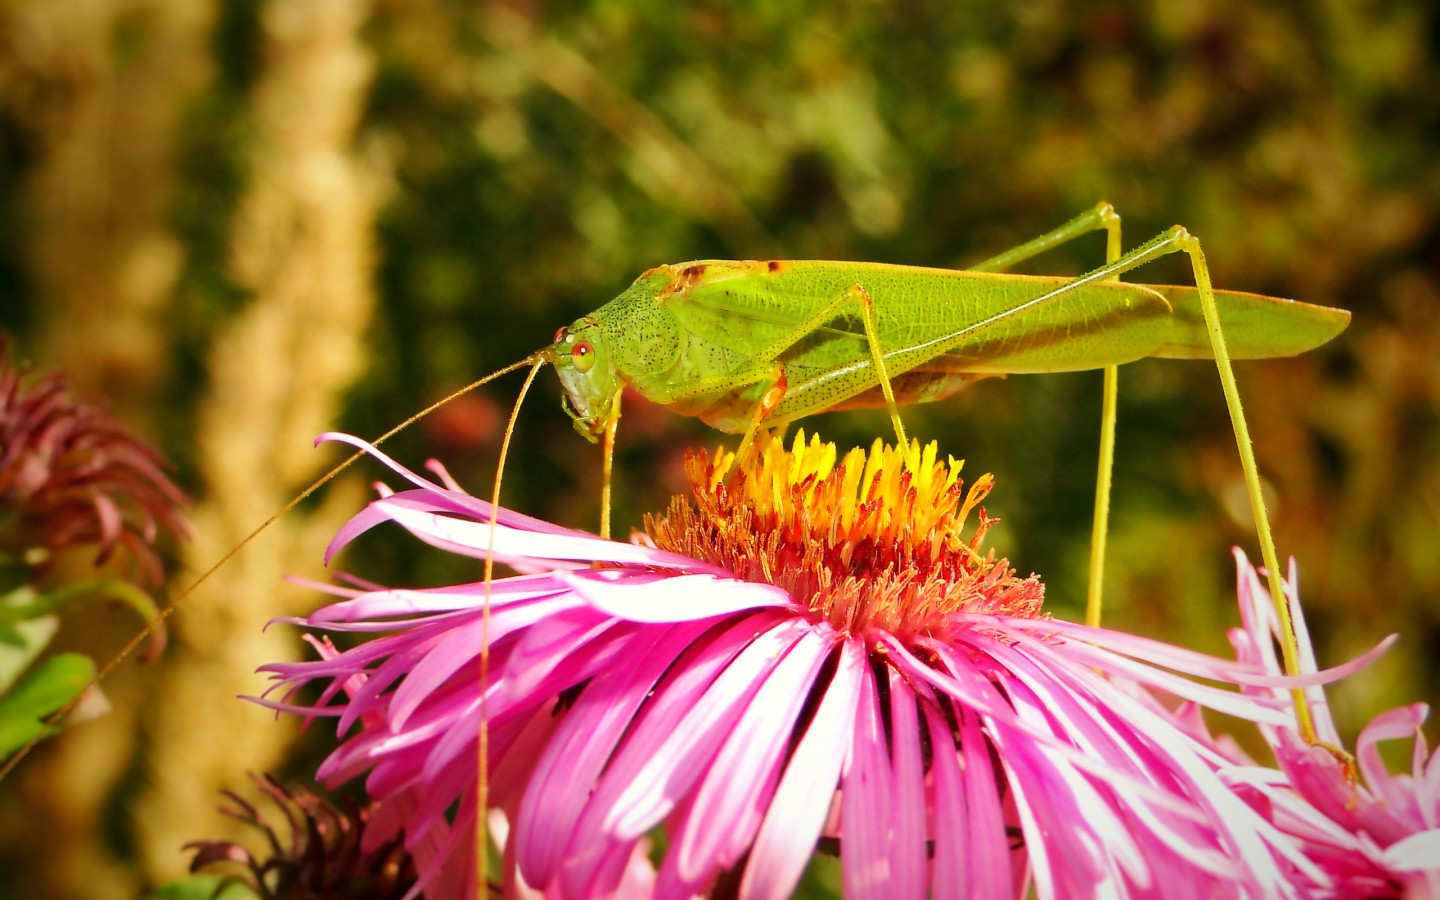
871 540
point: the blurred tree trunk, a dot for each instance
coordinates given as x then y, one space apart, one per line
303 248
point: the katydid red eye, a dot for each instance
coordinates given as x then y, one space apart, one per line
583 355
559 334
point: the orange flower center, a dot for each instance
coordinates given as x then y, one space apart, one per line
870 541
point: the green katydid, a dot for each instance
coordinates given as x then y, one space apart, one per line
746 345
752 344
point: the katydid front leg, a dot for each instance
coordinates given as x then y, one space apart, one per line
854 295
770 368
607 468
771 374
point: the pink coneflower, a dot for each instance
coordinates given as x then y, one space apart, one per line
72 475
807 654
1379 838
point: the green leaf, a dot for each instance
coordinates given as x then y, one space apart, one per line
21 644
203 887
23 605
47 688
13 573
10 636
93 589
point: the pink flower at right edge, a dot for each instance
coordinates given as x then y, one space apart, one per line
1379 838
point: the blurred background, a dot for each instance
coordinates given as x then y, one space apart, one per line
245 222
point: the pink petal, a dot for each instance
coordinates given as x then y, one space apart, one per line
989 846
435 498
571 671
1067 694
976 693
674 598
1181 660
867 792
728 803
510 777
1420 852
797 813
550 643
398 602
1394 724
680 759
596 856
1037 849
465 537
456 501
1315 695
399 809
576 755
461 647
952 839
1256 709
908 854
1058 799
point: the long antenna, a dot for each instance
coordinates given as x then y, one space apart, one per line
50 723
482 791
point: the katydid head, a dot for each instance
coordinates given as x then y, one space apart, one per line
586 367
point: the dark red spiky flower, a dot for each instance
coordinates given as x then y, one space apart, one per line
318 853
71 475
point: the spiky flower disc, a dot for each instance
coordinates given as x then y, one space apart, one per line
870 541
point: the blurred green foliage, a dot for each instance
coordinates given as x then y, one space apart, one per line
539 156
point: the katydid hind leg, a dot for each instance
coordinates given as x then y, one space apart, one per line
1158 246
902 359
855 295
858 294
1100 526
1289 643
1105 466
1101 216
1175 240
